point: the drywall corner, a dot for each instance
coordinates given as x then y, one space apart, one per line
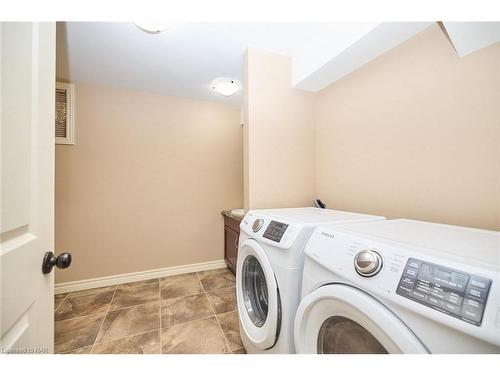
278 135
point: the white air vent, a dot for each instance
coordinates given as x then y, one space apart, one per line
65 122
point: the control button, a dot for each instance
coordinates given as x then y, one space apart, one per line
413 263
454 298
479 283
438 292
418 295
451 308
257 224
407 281
471 303
434 301
405 289
423 287
411 272
476 293
472 310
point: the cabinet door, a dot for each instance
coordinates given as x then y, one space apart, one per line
231 246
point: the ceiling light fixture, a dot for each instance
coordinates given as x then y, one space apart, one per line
152 27
225 86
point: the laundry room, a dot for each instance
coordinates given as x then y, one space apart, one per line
250 188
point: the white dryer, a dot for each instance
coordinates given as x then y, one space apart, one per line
269 270
400 286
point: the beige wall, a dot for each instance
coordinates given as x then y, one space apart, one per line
279 134
145 183
414 133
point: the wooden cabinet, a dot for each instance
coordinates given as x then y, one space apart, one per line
231 238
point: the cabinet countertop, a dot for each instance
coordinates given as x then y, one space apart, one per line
229 214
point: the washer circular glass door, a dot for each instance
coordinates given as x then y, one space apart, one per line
341 335
339 318
257 295
255 292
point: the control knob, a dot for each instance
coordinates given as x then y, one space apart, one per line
257 224
367 263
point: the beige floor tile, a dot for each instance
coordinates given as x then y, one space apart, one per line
183 309
223 300
85 350
132 324
130 321
76 333
230 325
130 296
180 285
146 343
138 283
90 304
86 292
199 336
216 279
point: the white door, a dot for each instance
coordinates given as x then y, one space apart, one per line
341 319
27 55
257 296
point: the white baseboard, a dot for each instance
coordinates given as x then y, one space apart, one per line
98 282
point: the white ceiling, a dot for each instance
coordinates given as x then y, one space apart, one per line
184 60
468 37
363 49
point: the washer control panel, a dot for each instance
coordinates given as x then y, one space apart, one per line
275 231
452 292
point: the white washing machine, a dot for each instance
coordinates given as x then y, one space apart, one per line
400 286
269 270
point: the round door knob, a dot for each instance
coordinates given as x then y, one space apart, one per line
257 224
50 260
368 263
63 260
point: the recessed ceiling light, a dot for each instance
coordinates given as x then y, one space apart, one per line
225 86
152 27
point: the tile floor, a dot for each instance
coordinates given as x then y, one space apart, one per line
191 313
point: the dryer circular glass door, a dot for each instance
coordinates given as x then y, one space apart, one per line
339 318
257 295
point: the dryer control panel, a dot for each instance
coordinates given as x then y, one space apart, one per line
275 231
452 292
